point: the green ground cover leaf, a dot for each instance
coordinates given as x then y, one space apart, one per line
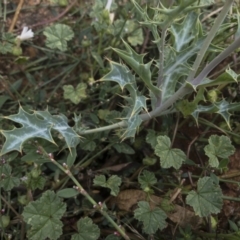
207 199
147 179
87 230
151 138
218 147
58 35
7 180
113 183
34 182
44 217
7 43
153 219
169 157
75 95
123 148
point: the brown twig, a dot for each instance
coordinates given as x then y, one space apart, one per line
54 19
20 4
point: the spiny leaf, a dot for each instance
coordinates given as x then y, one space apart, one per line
229 76
153 219
207 199
121 74
223 108
87 230
60 124
138 105
135 61
35 127
218 147
133 124
44 217
185 31
176 68
32 127
169 157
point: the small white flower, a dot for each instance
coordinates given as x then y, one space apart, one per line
108 6
26 34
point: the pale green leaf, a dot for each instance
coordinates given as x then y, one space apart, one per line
75 95
185 31
229 76
169 157
57 36
43 215
7 180
147 179
113 183
176 68
37 125
135 61
138 105
153 219
121 74
218 147
207 199
133 124
60 124
31 127
87 230
222 107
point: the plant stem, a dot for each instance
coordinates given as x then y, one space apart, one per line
209 39
216 61
86 195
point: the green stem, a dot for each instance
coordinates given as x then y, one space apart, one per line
86 195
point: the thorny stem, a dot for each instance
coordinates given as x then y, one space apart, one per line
81 190
184 90
161 58
209 39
